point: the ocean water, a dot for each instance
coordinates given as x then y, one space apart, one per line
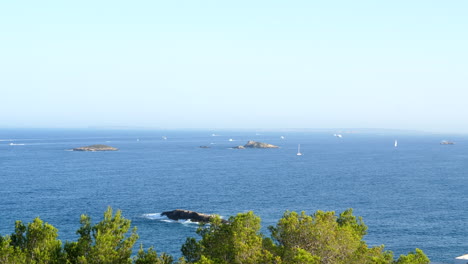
415 195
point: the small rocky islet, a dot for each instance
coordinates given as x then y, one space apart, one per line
96 147
178 214
101 147
256 144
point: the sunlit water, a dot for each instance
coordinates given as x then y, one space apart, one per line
415 195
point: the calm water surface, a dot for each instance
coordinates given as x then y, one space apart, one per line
411 196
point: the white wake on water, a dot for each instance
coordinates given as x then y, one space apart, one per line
159 217
163 218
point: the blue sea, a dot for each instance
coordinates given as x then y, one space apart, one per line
413 195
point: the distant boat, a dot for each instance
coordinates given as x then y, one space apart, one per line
164 137
282 137
231 139
299 150
396 143
338 135
446 142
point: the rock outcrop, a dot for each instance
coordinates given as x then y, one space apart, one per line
255 144
97 147
188 215
239 147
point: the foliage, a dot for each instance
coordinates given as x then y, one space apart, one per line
237 242
106 242
35 243
151 257
413 257
9 253
320 238
297 238
325 237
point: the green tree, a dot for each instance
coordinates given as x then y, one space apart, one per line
239 241
192 250
35 243
151 257
10 254
326 237
79 252
417 257
302 256
105 242
297 239
347 218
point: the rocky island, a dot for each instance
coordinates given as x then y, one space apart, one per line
255 144
97 147
188 215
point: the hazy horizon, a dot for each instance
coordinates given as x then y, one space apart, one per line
245 65
257 130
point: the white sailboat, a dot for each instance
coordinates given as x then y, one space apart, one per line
299 150
396 143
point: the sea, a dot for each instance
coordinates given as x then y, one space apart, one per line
411 196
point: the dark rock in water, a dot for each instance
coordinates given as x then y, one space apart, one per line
188 215
204 147
97 147
255 144
239 147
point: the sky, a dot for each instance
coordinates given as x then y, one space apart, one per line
235 64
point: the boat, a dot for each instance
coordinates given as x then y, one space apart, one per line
461 259
231 139
338 135
446 142
396 143
299 150
282 137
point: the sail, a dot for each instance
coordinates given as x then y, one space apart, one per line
299 150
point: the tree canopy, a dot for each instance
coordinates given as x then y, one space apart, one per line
297 238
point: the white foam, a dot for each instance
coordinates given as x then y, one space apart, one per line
159 217
155 216
188 222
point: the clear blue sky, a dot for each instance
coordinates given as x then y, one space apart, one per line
235 64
